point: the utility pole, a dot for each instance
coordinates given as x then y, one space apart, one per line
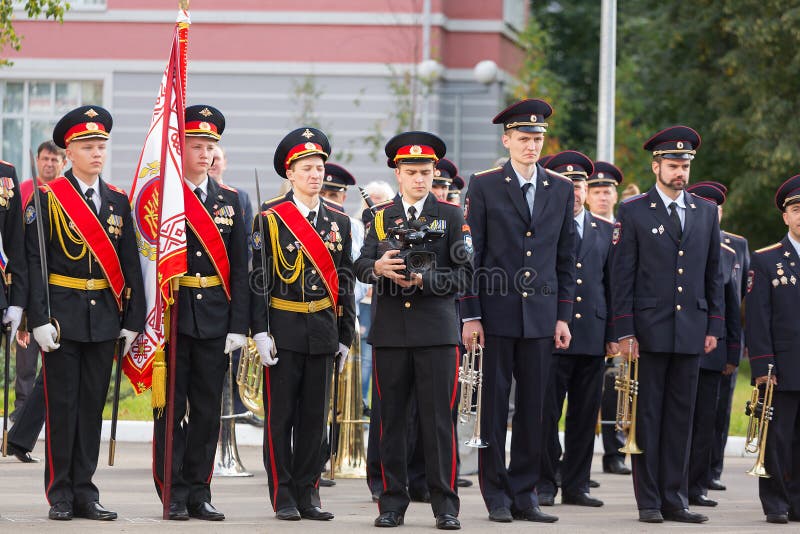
607 77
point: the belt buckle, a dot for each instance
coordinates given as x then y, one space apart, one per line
312 306
203 281
90 284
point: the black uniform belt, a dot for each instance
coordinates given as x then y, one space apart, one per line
199 281
300 307
86 284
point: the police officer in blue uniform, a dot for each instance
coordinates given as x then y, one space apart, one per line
667 299
523 228
714 366
772 324
577 372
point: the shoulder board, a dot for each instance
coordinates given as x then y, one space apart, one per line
601 218
335 208
116 189
726 247
558 175
272 201
229 188
448 203
4 162
635 197
731 234
383 205
711 202
771 247
487 171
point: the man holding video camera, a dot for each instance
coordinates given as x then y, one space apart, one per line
418 252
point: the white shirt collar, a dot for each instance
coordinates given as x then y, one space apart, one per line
95 188
667 200
305 210
523 181
795 244
203 186
417 205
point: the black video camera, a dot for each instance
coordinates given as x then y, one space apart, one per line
412 244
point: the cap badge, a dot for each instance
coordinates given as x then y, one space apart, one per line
533 118
679 144
508 179
437 173
416 150
91 126
307 134
570 168
91 113
310 146
601 175
329 178
204 126
205 112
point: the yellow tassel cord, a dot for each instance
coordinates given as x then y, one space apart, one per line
59 221
158 386
282 264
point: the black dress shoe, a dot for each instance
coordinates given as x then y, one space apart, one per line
22 455
178 512
316 513
716 484
593 483
501 515
581 499
206 512
650 516
448 522
463 483
326 482
684 516
534 514
778 518
616 467
389 520
419 496
702 500
290 513
60 511
547 499
95 511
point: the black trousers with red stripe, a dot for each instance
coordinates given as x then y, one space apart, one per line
431 371
201 367
296 392
76 378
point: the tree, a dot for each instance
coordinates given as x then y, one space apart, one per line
54 9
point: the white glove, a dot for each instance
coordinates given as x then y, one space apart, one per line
234 342
266 348
46 336
344 353
13 315
130 337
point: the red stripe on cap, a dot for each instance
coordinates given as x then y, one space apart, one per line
416 151
202 126
302 150
82 128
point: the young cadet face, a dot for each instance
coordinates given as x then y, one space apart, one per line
414 180
523 147
791 217
601 199
440 192
306 175
197 155
87 156
672 174
49 165
219 164
580 196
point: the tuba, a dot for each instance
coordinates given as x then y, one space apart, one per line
249 377
350 460
760 412
470 376
227 462
627 386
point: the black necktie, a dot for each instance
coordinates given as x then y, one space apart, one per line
675 218
199 193
412 214
525 188
90 200
311 216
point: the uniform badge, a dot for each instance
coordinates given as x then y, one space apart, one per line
660 229
594 224
334 226
339 247
617 233
787 254
438 224
466 208
30 214
654 230
256 240
793 280
468 244
784 280
751 275
775 282
290 247
652 205
508 179
545 183
727 240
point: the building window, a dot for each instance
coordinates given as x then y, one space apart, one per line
30 110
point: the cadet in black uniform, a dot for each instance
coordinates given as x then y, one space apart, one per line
523 228
213 302
667 299
714 366
92 257
772 323
13 263
305 319
415 331
578 371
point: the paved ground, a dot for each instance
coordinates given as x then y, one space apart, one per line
128 489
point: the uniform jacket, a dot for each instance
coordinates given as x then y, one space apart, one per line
524 267
590 326
85 316
666 292
742 265
11 228
206 313
419 317
772 321
319 332
728 349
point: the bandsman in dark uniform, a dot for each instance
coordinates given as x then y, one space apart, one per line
443 177
772 324
577 372
454 191
92 258
415 330
667 298
214 311
714 366
305 317
13 263
523 227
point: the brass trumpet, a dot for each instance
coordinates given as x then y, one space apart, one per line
627 386
470 376
249 377
760 412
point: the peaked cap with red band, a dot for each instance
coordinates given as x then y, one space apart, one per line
85 122
526 116
337 178
300 143
414 147
711 191
206 121
675 142
788 193
572 164
605 173
445 172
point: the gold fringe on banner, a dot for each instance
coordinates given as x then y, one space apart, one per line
158 386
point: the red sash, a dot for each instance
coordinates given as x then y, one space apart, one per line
26 192
313 247
91 231
199 220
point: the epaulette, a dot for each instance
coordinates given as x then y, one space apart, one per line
382 205
634 197
558 175
734 235
229 188
448 203
272 201
726 247
601 218
493 169
335 208
770 247
6 162
698 197
116 189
